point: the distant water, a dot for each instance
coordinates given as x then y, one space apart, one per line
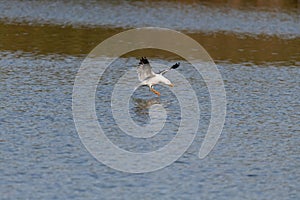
127 14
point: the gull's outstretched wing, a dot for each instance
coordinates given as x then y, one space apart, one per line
173 67
144 69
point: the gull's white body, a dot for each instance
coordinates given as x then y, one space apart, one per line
149 78
156 79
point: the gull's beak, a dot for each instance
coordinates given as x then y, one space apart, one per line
171 85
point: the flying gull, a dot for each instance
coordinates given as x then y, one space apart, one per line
150 78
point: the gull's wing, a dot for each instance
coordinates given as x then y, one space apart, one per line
144 69
173 67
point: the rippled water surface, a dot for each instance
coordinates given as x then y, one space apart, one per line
182 16
256 49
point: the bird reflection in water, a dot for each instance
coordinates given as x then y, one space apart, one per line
141 106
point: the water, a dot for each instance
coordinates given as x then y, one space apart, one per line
188 16
42 157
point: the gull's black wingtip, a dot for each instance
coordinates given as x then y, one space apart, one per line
175 66
144 60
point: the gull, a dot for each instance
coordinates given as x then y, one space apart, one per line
150 78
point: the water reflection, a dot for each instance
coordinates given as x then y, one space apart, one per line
141 106
235 31
78 42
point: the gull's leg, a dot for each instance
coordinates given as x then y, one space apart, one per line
154 91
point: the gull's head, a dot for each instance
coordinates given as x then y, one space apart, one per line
167 82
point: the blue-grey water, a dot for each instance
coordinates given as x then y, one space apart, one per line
41 154
175 15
